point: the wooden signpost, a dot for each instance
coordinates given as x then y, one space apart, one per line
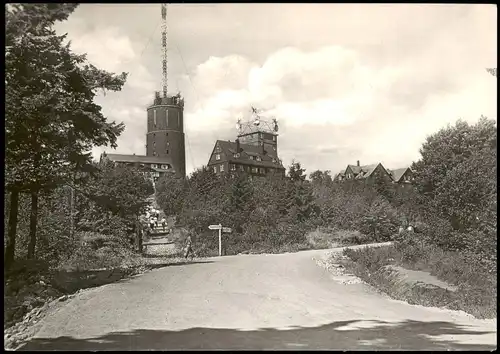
221 230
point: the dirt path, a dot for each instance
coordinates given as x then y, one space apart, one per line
252 302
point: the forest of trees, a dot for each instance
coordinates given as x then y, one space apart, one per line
452 203
59 203
57 199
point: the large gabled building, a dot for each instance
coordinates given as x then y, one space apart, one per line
152 166
254 152
234 157
375 171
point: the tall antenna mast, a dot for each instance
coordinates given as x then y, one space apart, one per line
164 48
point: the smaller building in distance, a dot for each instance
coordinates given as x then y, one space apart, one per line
375 171
153 166
255 151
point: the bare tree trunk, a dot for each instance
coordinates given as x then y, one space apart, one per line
10 248
33 224
139 232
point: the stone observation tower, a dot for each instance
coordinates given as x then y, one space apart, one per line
165 128
165 131
165 125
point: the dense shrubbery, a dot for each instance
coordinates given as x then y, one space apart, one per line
476 287
455 225
449 207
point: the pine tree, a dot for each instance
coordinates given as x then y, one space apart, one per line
51 121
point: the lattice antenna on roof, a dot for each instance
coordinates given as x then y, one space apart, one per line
164 29
256 123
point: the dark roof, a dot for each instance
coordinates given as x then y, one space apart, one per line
365 171
362 171
229 149
354 168
138 158
398 173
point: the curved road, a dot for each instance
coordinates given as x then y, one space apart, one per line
251 302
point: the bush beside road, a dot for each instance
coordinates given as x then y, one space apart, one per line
471 287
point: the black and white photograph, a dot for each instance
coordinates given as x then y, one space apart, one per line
250 176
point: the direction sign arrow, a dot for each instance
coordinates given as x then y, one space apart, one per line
226 229
215 227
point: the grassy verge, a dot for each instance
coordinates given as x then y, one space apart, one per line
476 288
207 245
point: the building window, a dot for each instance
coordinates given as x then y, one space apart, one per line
236 155
258 158
166 134
251 157
217 157
154 153
255 170
167 151
242 168
168 143
154 117
233 167
165 167
215 169
274 160
154 165
154 143
263 171
274 137
222 168
166 115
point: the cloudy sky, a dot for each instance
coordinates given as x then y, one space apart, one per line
346 82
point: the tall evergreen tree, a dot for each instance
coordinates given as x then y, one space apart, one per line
51 121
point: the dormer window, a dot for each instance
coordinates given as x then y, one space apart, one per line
154 165
236 155
233 167
258 158
274 160
217 157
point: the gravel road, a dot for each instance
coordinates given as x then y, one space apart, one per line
281 301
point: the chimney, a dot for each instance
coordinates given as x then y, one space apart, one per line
237 145
358 163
